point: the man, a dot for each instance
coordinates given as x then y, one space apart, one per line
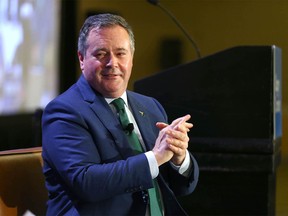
90 164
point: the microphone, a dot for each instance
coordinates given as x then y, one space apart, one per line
130 127
157 3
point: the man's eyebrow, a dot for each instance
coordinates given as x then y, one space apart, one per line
105 49
100 49
121 49
97 50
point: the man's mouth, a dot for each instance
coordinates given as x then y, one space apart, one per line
110 75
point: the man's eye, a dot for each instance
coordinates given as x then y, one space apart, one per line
100 55
121 54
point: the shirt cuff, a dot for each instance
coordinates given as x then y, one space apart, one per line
153 165
184 166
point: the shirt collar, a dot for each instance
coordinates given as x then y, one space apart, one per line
123 96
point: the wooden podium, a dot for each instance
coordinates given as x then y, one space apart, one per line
234 98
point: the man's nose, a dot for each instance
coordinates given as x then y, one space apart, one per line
111 61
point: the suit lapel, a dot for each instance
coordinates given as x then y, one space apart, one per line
112 124
110 121
141 115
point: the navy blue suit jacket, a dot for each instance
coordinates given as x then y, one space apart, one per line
89 166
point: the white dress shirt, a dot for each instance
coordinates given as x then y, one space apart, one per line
153 165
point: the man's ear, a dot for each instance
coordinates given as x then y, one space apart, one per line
81 59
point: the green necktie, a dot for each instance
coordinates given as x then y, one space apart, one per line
154 195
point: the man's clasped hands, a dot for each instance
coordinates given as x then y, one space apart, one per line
172 141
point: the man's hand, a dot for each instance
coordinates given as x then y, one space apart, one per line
161 149
172 141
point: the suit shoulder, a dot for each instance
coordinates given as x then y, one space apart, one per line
67 97
146 101
141 96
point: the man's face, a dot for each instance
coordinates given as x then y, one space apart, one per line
108 60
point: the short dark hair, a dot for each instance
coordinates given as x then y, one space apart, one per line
102 21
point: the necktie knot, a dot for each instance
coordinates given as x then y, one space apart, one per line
119 104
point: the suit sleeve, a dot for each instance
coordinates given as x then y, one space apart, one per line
178 183
182 185
70 149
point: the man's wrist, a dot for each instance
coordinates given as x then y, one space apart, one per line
178 161
153 165
184 166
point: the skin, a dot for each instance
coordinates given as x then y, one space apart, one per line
173 137
108 61
107 66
